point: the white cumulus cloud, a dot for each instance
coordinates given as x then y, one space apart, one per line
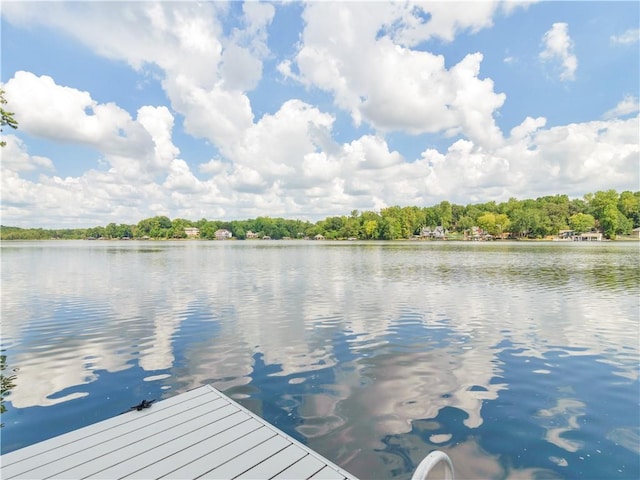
558 47
140 146
205 73
16 158
65 114
351 51
628 37
627 106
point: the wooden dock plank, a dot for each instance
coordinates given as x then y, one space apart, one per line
275 464
201 433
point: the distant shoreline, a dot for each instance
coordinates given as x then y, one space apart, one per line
620 238
599 216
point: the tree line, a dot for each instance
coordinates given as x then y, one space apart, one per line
609 212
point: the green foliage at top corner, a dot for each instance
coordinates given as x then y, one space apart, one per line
6 117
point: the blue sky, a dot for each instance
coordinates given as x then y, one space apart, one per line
128 110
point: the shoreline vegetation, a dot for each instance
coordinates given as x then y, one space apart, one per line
601 215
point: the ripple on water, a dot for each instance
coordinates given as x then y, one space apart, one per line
628 437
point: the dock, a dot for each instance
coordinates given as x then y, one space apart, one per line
198 434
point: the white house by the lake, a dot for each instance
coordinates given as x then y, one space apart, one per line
437 232
223 234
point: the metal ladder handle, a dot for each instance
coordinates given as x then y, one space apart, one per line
430 461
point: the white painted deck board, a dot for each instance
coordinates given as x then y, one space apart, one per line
55 462
243 462
327 473
303 468
119 458
162 458
81 433
202 465
274 465
198 434
194 452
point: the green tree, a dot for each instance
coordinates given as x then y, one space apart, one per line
444 214
596 202
513 205
208 229
124 230
431 218
391 228
164 222
502 223
370 229
610 221
473 212
556 212
351 227
238 230
465 223
577 205
332 226
156 227
111 230
487 222
526 223
177 228
7 117
458 213
495 224
582 222
400 222
629 205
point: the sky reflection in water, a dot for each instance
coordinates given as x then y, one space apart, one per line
519 360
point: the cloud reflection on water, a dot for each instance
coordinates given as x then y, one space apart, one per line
365 339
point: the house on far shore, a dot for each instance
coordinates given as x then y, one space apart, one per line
476 234
192 232
251 235
588 237
635 233
566 234
318 237
438 232
223 234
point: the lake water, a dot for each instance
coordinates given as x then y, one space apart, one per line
519 360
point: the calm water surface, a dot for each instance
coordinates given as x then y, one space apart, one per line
519 360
